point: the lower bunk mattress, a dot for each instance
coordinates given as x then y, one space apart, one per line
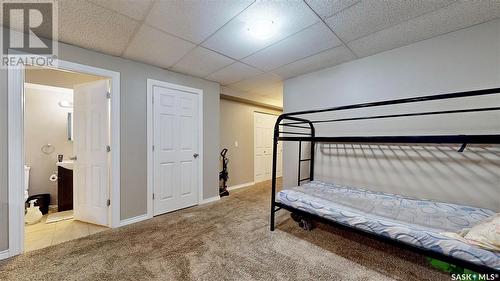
412 221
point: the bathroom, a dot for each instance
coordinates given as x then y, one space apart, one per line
49 158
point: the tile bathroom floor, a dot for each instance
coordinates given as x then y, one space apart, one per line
41 235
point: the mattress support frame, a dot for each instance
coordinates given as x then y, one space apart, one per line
390 241
296 121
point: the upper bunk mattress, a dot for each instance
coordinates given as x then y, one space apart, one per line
413 221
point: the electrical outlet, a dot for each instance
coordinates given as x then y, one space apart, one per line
236 144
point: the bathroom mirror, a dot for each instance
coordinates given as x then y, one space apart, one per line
70 126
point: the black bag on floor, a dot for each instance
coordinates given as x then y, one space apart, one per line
42 200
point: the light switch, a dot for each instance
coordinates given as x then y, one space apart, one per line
236 144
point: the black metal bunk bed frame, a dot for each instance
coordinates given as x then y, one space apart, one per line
309 136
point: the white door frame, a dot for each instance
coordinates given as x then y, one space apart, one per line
15 84
150 159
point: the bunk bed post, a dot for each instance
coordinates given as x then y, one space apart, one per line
275 161
300 163
311 162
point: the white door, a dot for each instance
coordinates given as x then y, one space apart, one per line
263 147
279 166
176 161
91 139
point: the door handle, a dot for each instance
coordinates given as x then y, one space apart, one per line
73 158
196 155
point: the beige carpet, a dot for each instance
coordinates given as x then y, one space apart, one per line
225 240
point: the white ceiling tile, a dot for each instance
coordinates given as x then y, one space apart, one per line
256 83
239 94
309 41
274 91
460 15
157 48
233 92
322 60
201 62
234 40
370 16
276 100
194 20
271 90
133 8
89 26
328 8
233 73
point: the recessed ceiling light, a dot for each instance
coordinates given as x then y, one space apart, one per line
262 29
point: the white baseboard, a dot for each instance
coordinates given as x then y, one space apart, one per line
133 220
240 185
209 200
4 254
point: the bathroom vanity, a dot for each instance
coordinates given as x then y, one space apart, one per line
65 186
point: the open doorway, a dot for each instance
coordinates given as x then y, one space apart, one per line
63 166
66 133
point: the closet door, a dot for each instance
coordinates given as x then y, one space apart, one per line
263 147
176 162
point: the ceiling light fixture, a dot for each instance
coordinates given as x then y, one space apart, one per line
262 29
65 104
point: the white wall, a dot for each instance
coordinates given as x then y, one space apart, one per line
467 59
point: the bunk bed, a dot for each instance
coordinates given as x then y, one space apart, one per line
385 216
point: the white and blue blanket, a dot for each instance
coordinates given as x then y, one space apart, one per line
413 221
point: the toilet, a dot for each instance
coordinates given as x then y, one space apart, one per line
26 181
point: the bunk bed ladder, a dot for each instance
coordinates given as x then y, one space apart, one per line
299 180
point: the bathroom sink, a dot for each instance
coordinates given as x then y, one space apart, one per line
67 164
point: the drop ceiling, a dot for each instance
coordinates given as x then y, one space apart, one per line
209 39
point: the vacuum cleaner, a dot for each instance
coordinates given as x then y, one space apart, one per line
224 174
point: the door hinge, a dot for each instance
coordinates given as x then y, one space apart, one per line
108 148
153 148
153 196
108 203
108 95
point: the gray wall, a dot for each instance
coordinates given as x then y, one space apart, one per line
468 59
133 128
236 124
